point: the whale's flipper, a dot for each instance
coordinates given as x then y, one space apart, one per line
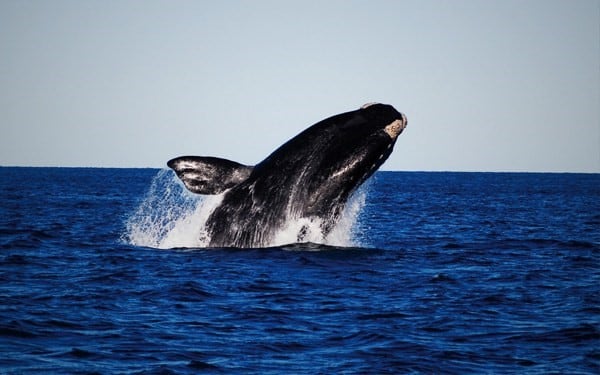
208 175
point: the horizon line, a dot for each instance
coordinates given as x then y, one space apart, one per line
380 170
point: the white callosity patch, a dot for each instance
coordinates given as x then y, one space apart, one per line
396 127
171 217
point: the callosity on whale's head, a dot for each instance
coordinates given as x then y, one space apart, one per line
310 176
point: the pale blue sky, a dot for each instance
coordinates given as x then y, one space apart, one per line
486 86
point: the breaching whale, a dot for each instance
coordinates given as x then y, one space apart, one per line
310 177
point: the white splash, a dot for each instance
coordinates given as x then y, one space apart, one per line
345 232
309 229
169 217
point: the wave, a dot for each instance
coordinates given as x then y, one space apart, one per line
170 216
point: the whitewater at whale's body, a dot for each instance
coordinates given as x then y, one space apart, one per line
307 190
170 217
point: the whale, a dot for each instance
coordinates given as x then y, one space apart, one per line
309 178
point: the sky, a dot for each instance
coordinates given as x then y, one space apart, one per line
485 85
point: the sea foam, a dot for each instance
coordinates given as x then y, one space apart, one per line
170 216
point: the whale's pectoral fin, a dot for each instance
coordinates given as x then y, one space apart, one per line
208 175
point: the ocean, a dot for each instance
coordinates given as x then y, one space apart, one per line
103 271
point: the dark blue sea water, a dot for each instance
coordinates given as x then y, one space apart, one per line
450 273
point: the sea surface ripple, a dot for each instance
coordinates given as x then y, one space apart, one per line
453 273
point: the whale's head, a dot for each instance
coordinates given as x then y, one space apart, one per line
347 150
321 167
357 143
